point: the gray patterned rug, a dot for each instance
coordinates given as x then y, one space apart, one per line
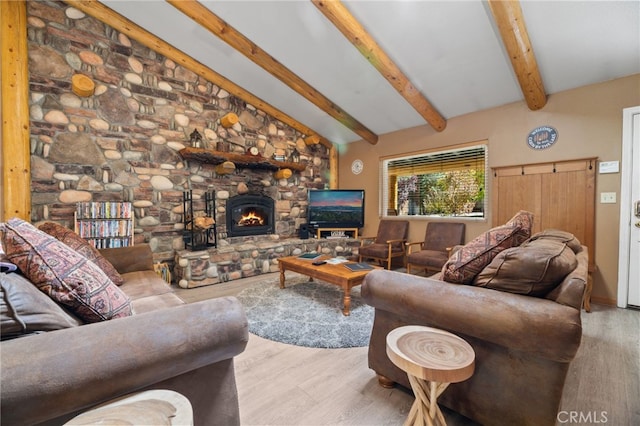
306 314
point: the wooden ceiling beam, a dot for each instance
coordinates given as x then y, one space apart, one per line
340 16
125 26
510 22
217 26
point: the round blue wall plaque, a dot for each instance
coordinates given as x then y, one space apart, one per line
542 137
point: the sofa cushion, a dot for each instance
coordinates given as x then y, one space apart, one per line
555 234
534 268
428 258
63 274
25 310
466 262
83 247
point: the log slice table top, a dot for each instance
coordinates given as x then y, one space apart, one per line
151 407
431 354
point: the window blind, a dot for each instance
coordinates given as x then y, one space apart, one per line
444 161
460 159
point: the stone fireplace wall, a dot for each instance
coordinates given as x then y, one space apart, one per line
122 143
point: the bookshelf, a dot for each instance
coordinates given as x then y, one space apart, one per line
106 224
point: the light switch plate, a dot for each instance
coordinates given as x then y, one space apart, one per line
607 197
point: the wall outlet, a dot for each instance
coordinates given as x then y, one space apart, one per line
607 197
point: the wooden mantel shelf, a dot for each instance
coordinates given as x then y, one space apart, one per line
245 161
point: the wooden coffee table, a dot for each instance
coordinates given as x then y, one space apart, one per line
333 274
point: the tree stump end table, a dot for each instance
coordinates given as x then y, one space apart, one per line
432 359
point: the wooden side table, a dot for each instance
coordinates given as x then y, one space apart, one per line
432 359
153 407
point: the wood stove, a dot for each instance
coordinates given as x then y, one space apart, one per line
250 214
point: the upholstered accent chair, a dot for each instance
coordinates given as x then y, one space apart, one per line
389 243
432 253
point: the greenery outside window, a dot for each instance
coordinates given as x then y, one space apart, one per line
449 183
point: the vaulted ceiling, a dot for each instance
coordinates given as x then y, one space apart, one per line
357 69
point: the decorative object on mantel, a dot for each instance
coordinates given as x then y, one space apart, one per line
283 174
196 139
82 85
542 137
295 156
225 168
222 146
312 140
210 156
229 120
199 227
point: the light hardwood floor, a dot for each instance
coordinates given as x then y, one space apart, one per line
281 384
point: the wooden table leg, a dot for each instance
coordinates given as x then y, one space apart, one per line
425 409
281 276
346 301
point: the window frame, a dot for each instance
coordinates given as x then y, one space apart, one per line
384 195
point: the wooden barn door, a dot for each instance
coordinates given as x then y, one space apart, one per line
561 195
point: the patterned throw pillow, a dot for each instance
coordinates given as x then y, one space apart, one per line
81 245
62 273
524 220
463 266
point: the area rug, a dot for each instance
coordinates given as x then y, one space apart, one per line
306 314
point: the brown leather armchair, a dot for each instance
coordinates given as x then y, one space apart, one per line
388 244
433 252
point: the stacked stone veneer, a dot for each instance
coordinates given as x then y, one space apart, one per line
122 143
252 256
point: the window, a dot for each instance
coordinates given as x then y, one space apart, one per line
438 183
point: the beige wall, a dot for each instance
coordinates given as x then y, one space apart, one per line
589 124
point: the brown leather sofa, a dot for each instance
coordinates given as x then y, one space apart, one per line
52 376
523 344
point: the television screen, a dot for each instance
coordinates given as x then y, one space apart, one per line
336 208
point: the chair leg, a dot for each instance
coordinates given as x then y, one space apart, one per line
408 268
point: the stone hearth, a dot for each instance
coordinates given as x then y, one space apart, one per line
242 257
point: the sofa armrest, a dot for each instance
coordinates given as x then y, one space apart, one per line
130 259
539 326
49 375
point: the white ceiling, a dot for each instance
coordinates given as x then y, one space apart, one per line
450 50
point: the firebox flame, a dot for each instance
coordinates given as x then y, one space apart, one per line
250 219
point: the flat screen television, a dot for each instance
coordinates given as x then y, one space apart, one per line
336 208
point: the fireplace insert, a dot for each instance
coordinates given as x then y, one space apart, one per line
250 214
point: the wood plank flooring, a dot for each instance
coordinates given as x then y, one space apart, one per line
280 384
